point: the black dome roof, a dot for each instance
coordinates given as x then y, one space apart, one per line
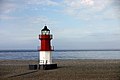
45 29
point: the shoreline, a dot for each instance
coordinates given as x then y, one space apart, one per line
54 60
80 69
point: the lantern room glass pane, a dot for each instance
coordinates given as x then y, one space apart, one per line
45 32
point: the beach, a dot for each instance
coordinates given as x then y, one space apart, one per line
68 69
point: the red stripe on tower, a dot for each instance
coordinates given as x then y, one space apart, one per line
45 38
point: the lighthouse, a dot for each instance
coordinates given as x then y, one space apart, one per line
45 50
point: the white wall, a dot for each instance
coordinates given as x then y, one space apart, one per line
45 57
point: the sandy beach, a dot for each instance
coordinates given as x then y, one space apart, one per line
67 70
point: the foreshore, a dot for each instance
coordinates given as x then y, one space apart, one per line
79 69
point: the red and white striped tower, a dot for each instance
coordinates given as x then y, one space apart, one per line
45 51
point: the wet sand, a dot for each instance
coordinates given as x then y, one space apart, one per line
67 70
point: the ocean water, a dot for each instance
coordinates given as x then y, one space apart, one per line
60 54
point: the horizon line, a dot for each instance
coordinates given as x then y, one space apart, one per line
35 50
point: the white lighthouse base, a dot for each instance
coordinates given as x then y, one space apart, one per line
45 57
45 60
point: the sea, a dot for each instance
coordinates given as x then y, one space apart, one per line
60 54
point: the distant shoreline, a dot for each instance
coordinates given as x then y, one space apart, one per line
25 50
2 62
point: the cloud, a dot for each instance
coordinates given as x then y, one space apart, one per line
89 9
92 4
6 17
116 4
76 4
41 2
80 9
89 34
40 20
101 4
7 6
37 20
87 2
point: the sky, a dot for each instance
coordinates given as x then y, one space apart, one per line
75 24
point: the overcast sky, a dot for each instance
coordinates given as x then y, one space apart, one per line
75 24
